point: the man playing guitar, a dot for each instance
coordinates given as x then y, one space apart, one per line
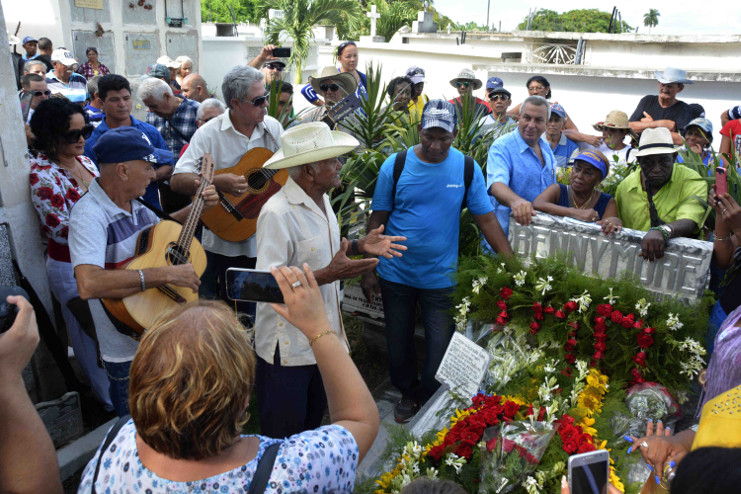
227 138
104 228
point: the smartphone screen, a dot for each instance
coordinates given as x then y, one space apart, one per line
282 52
589 472
721 181
250 285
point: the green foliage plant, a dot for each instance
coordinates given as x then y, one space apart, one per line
651 19
221 11
578 20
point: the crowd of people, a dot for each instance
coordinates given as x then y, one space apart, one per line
100 178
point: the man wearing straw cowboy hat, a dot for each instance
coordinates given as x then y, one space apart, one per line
614 129
660 197
665 110
297 226
466 83
331 85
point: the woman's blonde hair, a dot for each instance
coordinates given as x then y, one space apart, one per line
190 381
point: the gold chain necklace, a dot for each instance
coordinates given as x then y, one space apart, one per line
585 203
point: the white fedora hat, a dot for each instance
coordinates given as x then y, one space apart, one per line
672 75
310 142
331 73
656 141
467 75
169 62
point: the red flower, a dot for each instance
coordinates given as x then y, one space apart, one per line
505 293
566 372
601 346
464 450
571 306
502 305
636 373
599 323
504 314
601 336
534 327
598 355
501 321
537 307
628 321
436 452
644 340
33 179
64 232
560 314
73 195
571 342
541 413
57 201
585 447
649 330
616 317
640 359
549 310
574 324
490 444
45 193
510 409
570 358
604 310
52 220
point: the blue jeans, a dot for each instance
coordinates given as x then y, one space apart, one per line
400 308
717 316
118 375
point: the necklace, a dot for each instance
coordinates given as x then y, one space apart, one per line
79 177
585 203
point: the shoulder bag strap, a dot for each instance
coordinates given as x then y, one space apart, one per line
401 159
264 469
108 440
467 178
158 212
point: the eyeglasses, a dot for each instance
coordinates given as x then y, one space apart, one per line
276 67
462 84
46 93
534 89
259 101
498 96
325 88
74 135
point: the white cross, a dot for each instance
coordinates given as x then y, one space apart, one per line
373 15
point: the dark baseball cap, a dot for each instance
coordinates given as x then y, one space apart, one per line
159 71
439 113
124 144
496 85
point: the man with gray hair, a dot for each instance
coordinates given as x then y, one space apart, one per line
94 107
209 109
174 117
520 164
35 67
227 138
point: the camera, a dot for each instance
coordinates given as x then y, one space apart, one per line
9 311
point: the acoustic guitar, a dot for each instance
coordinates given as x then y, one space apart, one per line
234 218
167 243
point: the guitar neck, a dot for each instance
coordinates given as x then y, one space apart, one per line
196 208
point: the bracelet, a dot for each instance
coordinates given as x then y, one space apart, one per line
141 280
354 248
314 338
722 239
661 229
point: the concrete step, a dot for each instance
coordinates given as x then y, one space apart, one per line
78 453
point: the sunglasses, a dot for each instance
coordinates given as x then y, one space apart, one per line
74 135
271 66
462 84
259 101
497 96
325 88
46 93
344 45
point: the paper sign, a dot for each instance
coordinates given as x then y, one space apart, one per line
463 365
89 4
141 44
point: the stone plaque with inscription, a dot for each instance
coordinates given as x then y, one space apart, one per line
682 273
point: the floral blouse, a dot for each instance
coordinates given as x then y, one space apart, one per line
320 460
53 193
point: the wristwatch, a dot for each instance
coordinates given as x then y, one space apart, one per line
665 230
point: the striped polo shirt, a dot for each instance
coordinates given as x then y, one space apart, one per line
102 234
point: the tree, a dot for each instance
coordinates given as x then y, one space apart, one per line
219 11
574 21
300 16
651 19
394 15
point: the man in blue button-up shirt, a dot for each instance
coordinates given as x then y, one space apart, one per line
521 164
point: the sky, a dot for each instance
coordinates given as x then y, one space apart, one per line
677 17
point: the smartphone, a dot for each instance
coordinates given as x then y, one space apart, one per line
589 473
251 285
9 311
282 52
721 181
26 105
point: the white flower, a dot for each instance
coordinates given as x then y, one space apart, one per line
543 285
531 485
550 366
545 391
478 283
520 278
673 322
584 300
611 299
432 473
694 362
642 307
455 461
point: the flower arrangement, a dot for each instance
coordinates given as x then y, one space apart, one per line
565 349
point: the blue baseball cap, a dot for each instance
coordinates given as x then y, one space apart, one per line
124 144
558 110
595 160
416 74
704 124
439 113
496 85
28 39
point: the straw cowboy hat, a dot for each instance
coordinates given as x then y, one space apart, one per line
616 119
331 73
672 75
656 141
310 142
467 75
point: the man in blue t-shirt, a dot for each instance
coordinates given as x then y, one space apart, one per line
426 209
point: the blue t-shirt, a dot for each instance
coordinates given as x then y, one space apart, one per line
427 211
513 163
564 150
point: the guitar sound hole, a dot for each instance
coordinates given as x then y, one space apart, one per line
257 180
175 255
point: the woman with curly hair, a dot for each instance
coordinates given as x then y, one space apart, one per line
60 174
